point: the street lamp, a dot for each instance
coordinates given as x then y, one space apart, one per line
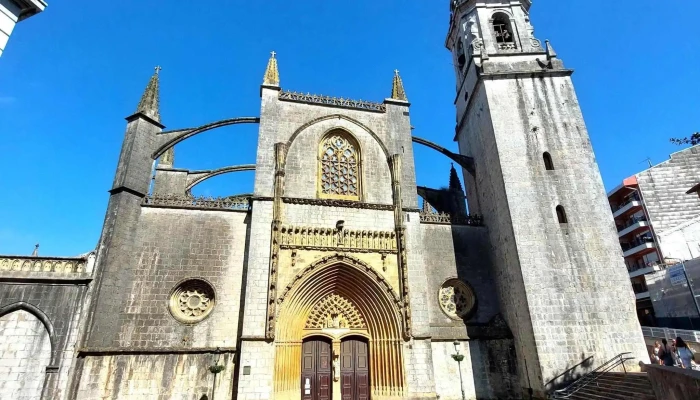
459 357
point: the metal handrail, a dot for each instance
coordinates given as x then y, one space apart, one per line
592 376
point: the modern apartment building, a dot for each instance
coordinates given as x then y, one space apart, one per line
657 213
14 11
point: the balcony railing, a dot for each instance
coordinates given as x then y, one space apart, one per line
625 201
637 242
670 333
631 222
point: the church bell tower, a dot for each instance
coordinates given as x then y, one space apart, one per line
563 287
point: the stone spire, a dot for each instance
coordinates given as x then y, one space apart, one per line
455 184
397 91
150 101
272 75
168 158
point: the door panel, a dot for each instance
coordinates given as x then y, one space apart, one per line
316 370
354 369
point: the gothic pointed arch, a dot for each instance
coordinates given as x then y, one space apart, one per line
41 316
340 285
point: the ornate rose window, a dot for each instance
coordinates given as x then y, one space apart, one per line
457 299
192 301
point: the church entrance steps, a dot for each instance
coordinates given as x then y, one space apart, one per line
617 386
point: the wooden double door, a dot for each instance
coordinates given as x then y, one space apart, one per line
317 369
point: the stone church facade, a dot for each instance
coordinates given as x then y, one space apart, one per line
331 280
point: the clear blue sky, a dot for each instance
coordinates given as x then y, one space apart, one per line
70 75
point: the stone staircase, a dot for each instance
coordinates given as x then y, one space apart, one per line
617 386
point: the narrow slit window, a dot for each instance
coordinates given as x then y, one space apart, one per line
561 215
548 164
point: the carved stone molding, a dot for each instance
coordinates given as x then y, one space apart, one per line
43 265
347 260
432 217
335 312
315 238
277 215
233 203
338 203
332 101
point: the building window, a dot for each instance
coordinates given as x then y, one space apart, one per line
461 58
561 215
339 166
503 31
548 164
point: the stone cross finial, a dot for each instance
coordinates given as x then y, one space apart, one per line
150 100
397 90
35 253
272 75
158 68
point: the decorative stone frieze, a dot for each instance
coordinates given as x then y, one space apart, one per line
457 299
332 101
432 217
236 203
192 300
338 203
45 265
315 238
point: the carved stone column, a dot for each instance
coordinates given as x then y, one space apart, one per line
277 216
395 165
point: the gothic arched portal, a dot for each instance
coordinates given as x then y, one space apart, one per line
358 305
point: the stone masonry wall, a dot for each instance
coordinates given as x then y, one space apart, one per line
173 245
25 352
156 376
62 304
663 189
571 275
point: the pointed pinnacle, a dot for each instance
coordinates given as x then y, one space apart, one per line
272 75
168 158
550 50
455 184
150 100
397 90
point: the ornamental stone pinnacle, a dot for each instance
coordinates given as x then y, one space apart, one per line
150 100
455 184
168 158
272 75
397 91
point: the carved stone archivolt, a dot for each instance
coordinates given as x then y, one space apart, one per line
335 312
315 238
192 300
335 296
457 299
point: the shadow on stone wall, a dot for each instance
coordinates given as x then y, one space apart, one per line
570 374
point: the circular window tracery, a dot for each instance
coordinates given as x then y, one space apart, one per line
457 299
192 300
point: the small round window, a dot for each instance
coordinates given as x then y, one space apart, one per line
192 300
457 299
